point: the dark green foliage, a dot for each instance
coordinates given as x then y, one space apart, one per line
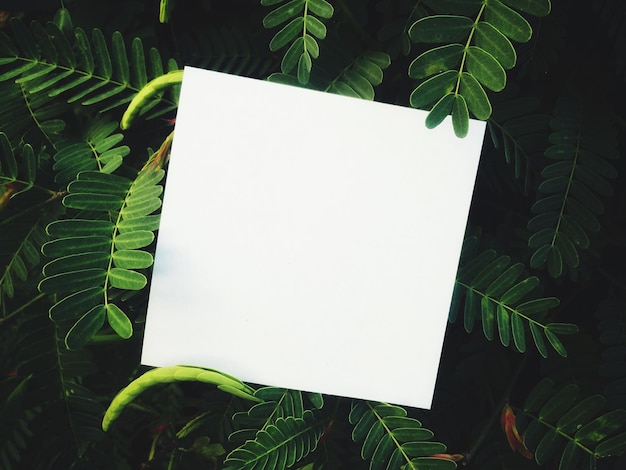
493 289
572 187
393 440
570 428
475 55
79 202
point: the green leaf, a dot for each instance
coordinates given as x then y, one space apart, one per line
504 281
475 95
321 8
562 328
119 321
601 427
304 68
495 43
615 445
359 84
133 240
120 58
283 13
72 281
72 245
87 326
580 414
537 333
485 68
132 259
77 262
556 343
127 279
504 322
371 71
441 29
508 21
440 111
460 116
80 227
538 395
537 306
559 403
433 89
436 60
547 446
519 336
292 56
311 46
315 27
286 34
554 262
488 310
75 304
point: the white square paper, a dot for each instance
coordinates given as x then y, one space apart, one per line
308 240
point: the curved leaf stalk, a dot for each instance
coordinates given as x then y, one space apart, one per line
163 375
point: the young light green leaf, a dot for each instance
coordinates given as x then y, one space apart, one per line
132 259
127 279
118 320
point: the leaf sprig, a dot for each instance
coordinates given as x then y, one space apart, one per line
302 30
475 54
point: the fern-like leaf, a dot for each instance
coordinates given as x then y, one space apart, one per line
520 133
560 423
98 150
66 411
59 61
301 31
99 251
393 440
280 445
275 403
569 203
491 289
475 55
